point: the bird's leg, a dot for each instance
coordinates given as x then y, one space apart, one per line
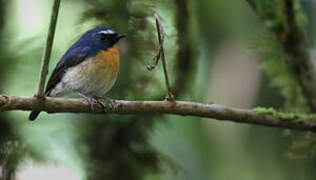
90 100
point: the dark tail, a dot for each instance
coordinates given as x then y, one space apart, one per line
34 115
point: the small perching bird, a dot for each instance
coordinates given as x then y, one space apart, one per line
89 68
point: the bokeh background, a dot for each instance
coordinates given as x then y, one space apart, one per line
217 51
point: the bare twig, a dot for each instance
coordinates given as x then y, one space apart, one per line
47 50
155 60
161 53
219 112
158 55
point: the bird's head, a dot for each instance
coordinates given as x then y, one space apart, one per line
102 36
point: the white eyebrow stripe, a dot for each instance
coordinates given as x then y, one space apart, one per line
109 31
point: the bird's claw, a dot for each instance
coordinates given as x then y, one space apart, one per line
91 102
112 103
107 103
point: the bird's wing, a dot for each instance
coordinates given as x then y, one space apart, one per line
74 56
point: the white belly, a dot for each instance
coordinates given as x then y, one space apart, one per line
86 78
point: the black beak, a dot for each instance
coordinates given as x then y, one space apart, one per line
120 36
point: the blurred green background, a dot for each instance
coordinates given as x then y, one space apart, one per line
217 51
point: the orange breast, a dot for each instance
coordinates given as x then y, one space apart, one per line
109 59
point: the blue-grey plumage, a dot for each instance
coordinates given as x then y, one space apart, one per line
89 67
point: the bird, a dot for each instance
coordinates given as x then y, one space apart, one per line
89 68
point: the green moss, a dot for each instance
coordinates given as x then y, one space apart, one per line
3 100
295 117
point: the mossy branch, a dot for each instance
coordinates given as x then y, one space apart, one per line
214 111
293 41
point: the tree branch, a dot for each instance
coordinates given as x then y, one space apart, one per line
215 111
295 45
293 41
47 50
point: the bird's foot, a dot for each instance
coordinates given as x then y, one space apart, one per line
104 103
108 103
91 101
112 103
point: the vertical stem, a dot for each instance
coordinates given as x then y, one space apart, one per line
47 50
169 93
184 63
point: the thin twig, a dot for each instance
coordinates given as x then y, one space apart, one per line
161 53
155 60
158 55
47 50
213 111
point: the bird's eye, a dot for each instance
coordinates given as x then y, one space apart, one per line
101 36
106 34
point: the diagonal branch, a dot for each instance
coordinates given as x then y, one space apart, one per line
294 43
47 50
219 112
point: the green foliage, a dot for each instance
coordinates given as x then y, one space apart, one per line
116 147
273 14
304 147
12 149
274 65
278 71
